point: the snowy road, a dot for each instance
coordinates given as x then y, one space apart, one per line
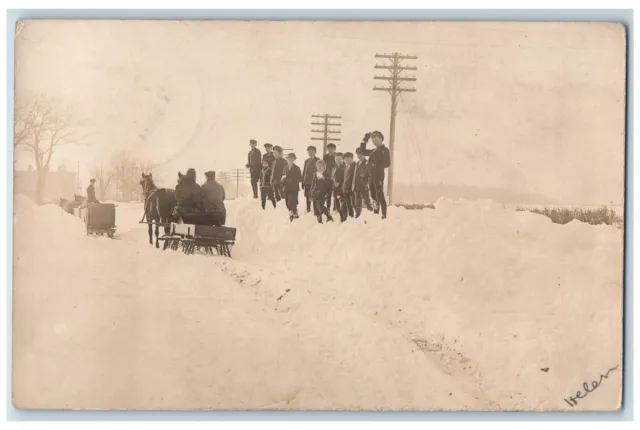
457 308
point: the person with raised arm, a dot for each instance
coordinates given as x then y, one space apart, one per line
379 159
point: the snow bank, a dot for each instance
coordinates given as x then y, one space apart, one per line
38 226
494 293
162 329
457 307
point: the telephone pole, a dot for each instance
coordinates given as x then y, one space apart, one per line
325 130
238 175
394 68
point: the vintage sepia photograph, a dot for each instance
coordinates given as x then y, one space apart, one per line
318 215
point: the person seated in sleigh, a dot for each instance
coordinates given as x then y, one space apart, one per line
188 196
199 205
213 196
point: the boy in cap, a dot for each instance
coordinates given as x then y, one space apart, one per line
91 192
347 185
188 195
379 159
268 155
321 187
361 183
213 196
254 164
277 171
338 180
308 172
291 185
266 189
330 160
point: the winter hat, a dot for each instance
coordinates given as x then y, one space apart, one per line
210 174
291 155
191 173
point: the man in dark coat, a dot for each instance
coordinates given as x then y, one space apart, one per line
321 186
379 159
277 170
361 178
291 184
266 188
268 155
188 195
91 192
254 164
330 160
213 196
307 174
347 185
338 180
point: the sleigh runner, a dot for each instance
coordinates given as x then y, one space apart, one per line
205 238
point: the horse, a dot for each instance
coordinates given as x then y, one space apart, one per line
158 205
70 205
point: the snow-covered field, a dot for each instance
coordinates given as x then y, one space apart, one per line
456 308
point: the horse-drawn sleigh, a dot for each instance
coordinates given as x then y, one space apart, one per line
100 218
188 232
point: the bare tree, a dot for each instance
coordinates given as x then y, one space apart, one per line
103 178
42 126
126 171
25 116
119 164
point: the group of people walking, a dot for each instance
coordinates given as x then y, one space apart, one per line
338 178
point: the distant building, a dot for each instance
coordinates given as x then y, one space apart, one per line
58 184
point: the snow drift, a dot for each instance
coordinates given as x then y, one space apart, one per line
492 294
461 307
116 323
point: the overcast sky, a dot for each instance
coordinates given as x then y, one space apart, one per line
529 107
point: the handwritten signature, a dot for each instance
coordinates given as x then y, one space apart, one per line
573 401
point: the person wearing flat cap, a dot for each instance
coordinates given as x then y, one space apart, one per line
188 195
291 184
266 186
277 170
330 160
268 155
213 196
91 192
360 184
347 184
254 164
379 159
308 172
